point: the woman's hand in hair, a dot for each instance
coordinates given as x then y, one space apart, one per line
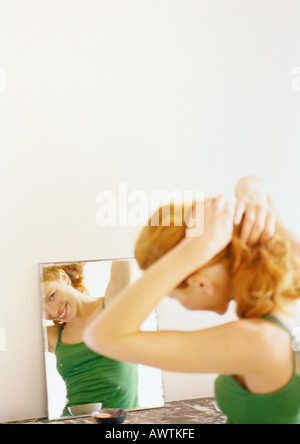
217 226
254 214
257 222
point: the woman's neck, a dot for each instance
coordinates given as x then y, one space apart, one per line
88 306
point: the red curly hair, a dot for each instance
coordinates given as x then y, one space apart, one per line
264 276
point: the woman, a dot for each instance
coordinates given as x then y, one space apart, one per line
89 377
246 263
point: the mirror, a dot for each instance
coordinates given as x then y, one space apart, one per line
71 294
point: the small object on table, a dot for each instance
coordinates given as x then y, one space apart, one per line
110 416
85 409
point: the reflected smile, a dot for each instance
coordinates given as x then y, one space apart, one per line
64 313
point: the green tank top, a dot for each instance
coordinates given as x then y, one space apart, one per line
92 378
243 407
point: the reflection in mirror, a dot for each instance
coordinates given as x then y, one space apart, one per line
72 294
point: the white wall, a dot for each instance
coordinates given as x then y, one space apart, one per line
160 94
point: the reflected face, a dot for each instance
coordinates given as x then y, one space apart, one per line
60 300
209 290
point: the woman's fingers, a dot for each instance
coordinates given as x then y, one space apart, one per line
248 223
258 223
239 212
258 226
270 227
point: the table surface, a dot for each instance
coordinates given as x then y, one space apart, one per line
192 411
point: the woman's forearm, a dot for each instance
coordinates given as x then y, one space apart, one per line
120 278
132 306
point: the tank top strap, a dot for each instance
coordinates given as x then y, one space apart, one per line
276 321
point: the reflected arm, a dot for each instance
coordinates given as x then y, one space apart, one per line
120 278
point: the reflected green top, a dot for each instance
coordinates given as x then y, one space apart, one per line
92 378
244 407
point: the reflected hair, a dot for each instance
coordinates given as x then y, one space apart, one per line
74 271
264 276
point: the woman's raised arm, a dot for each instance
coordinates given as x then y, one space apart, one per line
116 331
120 276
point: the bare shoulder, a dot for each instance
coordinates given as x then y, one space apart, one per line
263 328
272 356
52 333
244 347
272 341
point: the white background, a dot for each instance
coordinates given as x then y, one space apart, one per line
159 94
